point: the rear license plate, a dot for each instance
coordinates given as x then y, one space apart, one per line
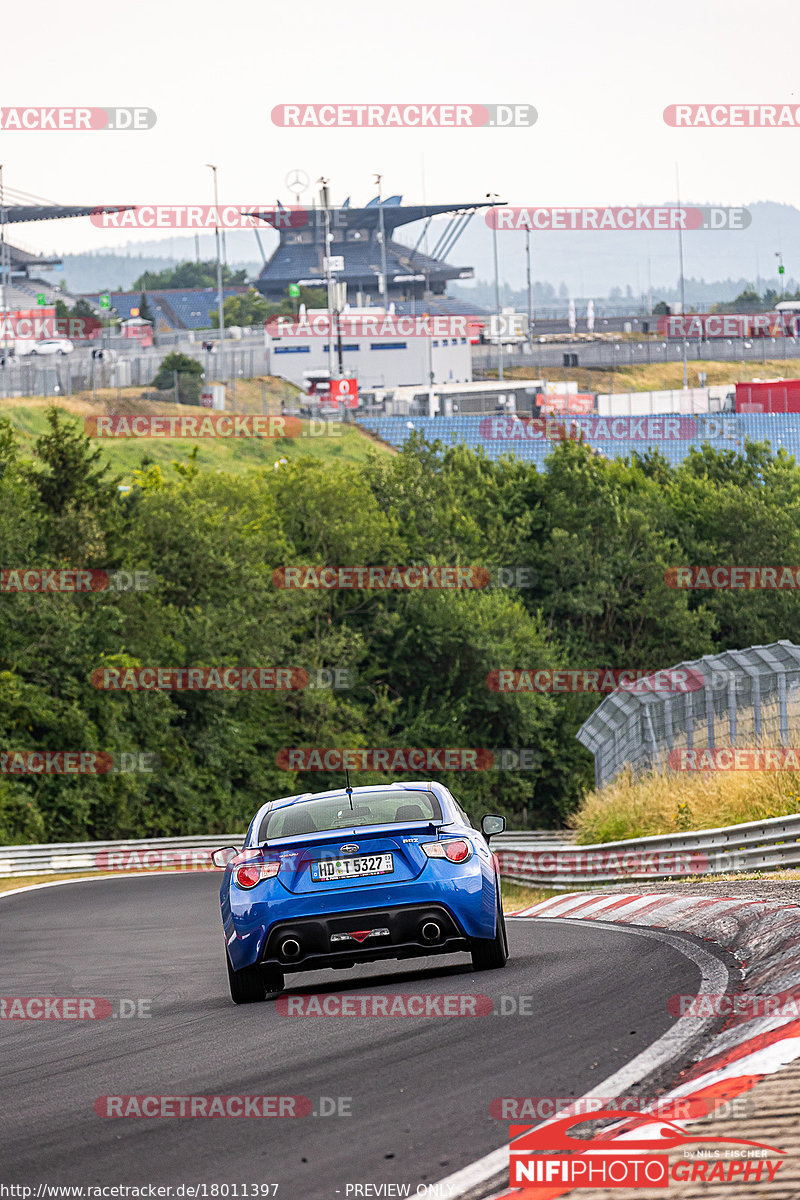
328 869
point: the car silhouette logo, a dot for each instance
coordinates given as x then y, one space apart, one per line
350 848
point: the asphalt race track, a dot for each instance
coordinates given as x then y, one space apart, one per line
419 1087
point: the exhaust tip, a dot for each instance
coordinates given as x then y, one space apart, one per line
431 932
290 948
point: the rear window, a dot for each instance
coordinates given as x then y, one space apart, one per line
369 808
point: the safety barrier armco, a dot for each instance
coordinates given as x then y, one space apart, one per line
770 845
542 858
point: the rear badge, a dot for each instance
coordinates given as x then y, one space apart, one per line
350 848
360 936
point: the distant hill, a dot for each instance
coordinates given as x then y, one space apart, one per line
593 263
718 264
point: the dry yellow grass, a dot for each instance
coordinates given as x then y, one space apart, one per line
675 802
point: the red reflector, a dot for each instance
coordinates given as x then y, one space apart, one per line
248 876
456 850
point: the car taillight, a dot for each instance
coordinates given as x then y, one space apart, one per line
250 874
454 849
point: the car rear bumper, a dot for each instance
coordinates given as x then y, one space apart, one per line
466 898
404 931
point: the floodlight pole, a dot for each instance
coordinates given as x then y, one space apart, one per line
382 236
494 196
332 306
528 271
2 245
220 300
683 279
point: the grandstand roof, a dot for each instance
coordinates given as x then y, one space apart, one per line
355 237
395 214
11 214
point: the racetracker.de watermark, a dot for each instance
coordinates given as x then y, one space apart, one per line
578 428
75 762
383 325
606 863
400 578
72 579
404 116
46 118
208 425
373 1004
596 679
137 859
735 758
200 679
203 1106
732 116
685 1108
200 216
334 758
650 218
785 1005
71 1008
728 578
35 326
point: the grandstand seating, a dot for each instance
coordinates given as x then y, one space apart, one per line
779 430
178 308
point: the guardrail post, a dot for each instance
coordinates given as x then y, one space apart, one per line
711 720
783 717
732 713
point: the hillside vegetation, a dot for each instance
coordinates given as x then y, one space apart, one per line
596 537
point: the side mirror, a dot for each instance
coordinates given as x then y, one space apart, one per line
221 857
491 823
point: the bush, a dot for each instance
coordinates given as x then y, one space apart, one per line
190 375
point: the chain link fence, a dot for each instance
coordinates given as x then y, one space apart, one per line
65 374
741 698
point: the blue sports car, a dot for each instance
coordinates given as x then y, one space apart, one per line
331 879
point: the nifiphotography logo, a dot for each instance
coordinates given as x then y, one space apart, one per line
550 1154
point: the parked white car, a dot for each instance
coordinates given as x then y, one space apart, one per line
44 346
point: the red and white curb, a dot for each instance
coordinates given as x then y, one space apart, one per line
762 935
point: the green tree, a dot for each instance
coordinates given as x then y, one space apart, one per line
145 311
75 488
189 373
189 275
248 308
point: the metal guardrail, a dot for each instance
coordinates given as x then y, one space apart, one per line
542 858
769 845
187 853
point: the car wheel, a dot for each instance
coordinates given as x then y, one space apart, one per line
252 984
488 954
61 353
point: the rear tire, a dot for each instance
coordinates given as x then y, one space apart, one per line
252 984
489 954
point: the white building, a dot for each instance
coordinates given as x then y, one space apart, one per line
380 350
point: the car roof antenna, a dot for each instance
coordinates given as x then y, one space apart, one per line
348 789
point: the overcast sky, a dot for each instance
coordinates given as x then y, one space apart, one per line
599 75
